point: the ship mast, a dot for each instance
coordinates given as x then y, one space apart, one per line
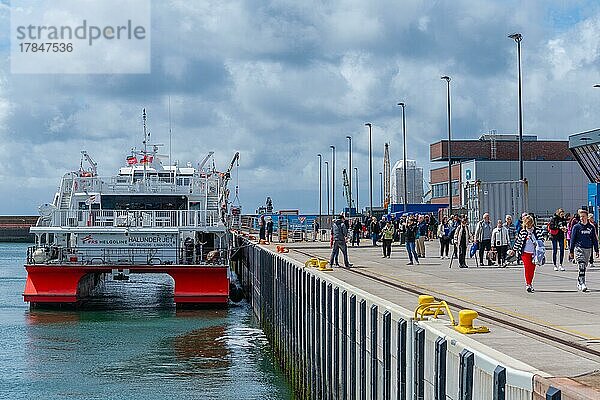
145 157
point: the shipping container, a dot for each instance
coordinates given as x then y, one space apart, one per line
496 198
416 208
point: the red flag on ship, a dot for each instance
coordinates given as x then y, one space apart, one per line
146 159
132 160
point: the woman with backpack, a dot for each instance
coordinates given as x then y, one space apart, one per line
525 248
557 228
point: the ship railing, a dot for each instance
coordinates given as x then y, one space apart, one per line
55 255
152 184
134 218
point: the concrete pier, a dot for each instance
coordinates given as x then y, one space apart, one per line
352 333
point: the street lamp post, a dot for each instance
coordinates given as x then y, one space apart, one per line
349 170
327 185
357 188
320 187
381 187
517 37
405 199
447 79
368 124
332 180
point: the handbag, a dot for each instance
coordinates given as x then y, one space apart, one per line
473 250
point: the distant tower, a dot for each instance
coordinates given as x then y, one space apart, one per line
386 176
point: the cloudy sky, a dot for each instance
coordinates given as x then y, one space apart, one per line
282 80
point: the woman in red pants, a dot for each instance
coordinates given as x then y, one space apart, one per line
525 248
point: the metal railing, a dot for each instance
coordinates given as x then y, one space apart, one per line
132 218
152 184
54 255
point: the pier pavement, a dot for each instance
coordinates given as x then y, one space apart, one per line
555 330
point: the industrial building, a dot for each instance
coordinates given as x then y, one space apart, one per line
586 149
414 183
555 179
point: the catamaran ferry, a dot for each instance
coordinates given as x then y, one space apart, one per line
149 218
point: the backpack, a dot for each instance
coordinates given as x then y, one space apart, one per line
553 232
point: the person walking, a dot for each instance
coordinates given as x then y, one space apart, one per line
443 233
410 234
524 247
374 230
316 227
262 228
500 242
269 229
356 231
483 237
572 222
591 219
557 228
339 233
462 236
423 227
583 240
387 236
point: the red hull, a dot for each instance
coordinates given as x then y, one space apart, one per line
193 284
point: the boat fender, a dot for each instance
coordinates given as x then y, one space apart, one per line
236 294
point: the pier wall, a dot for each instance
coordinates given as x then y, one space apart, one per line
16 228
336 341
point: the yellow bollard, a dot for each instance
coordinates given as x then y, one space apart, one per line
465 323
425 300
323 266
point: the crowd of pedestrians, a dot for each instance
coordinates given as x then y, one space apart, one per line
500 243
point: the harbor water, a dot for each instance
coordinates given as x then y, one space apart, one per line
129 343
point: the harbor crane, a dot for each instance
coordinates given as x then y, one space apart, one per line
226 176
90 160
347 189
386 176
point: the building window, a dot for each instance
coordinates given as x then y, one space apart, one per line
439 190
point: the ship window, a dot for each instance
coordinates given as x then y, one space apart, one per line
110 202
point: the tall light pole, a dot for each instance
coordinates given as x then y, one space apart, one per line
405 198
368 124
327 185
517 37
357 188
447 79
381 187
320 187
349 169
332 180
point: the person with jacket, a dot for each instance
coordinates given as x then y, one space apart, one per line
423 228
374 230
572 222
500 242
262 228
557 228
387 236
339 233
583 240
269 229
462 236
356 231
524 247
443 233
410 234
591 219
483 237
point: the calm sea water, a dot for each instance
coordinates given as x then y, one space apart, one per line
129 343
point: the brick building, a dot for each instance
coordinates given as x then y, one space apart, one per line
555 178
